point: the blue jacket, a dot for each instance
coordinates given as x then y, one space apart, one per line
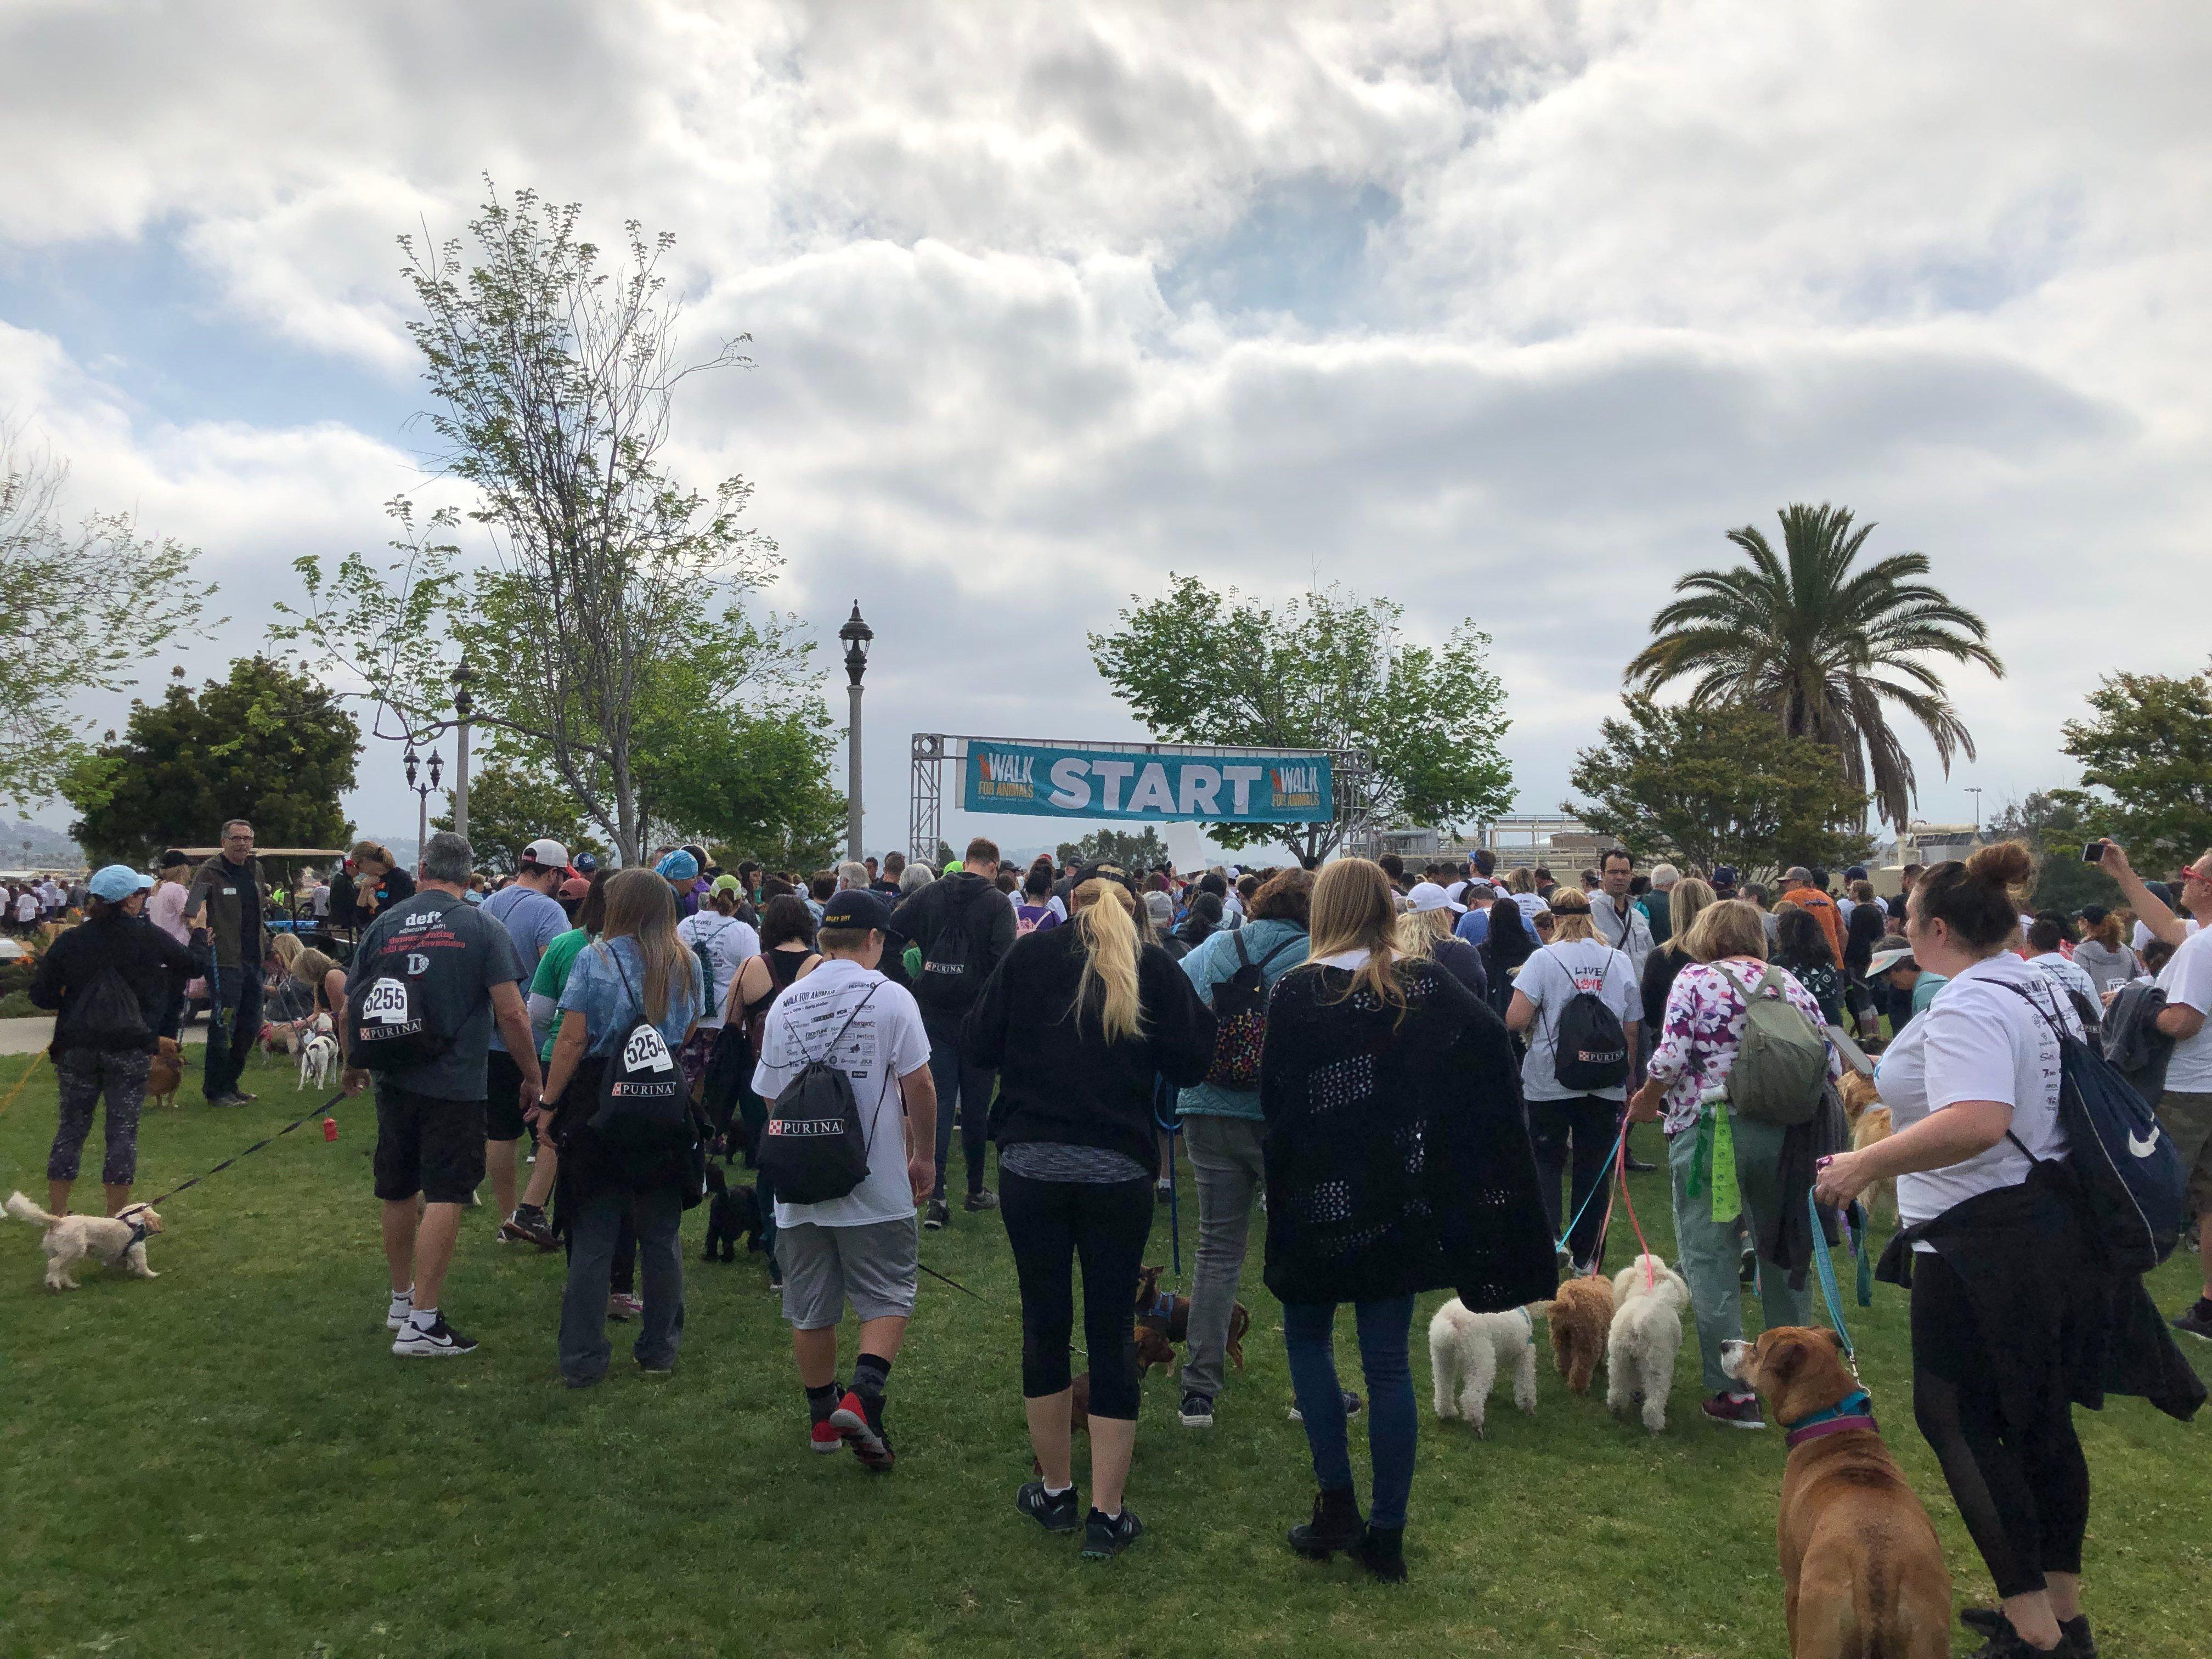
1213 963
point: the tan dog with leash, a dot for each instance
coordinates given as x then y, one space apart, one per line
1861 1570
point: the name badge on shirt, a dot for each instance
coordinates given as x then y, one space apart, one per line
230 893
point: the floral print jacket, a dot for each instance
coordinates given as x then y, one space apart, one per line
1705 1023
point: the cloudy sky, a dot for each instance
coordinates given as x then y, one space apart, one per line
1505 310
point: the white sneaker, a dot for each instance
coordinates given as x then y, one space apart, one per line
437 1341
396 1316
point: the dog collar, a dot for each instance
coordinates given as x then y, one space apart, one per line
139 1234
1854 1411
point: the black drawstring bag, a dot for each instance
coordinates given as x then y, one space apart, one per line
106 1016
642 1098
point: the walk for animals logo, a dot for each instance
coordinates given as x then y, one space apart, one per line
1296 786
1006 777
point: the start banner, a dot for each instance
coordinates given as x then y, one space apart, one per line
1050 781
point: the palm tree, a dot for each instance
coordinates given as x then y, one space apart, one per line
1822 647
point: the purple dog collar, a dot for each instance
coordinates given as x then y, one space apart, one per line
1797 1438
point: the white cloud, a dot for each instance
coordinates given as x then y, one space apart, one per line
1507 311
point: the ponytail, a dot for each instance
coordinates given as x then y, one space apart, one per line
1105 920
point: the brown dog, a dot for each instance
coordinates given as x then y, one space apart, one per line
1861 1570
1078 1412
1163 1322
1581 1318
167 1073
1874 1125
1858 1092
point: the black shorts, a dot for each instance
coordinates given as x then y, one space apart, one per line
503 1097
428 1146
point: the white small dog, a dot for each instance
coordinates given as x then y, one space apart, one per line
1648 1300
318 1058
1466 1351
74 1238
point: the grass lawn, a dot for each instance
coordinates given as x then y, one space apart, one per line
229 1460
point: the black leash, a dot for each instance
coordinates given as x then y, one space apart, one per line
322 1110
942 1279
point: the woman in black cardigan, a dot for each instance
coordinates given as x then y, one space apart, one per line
1398 1161
1078 1021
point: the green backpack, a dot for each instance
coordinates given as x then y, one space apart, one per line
1782 1061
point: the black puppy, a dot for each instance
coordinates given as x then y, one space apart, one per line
729 1216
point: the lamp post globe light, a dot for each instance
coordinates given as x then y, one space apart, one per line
856 635
465 709
423 791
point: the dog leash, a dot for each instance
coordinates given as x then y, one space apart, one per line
942 1279
1173 1127
1831 1292
1591 1197
1620 1172
21 1081
322 1110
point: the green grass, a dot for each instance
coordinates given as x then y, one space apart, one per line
228 1461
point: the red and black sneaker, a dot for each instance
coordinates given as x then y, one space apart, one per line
859 1419
822 1437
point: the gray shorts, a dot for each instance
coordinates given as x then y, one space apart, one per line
2188 1118
824 1268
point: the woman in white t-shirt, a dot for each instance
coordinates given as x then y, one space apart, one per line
1973 1088
1564 1120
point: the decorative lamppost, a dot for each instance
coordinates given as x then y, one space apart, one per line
465 709
856 635
423 801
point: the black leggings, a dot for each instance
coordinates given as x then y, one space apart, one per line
1591 1123
1049 1224
2023 1494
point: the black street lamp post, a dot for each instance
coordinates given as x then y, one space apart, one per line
856 635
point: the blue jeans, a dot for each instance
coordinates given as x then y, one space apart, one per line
1385 1329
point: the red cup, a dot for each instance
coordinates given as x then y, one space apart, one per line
330 1128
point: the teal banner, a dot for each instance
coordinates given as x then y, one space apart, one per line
1053 782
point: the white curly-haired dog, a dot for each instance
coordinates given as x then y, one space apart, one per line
1466 1351
74 1238
1648 1300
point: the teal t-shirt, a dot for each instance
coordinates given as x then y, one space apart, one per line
1924 992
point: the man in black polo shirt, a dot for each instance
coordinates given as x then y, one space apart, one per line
228 899
430 1117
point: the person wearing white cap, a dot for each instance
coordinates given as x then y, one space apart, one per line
534 919
103 1043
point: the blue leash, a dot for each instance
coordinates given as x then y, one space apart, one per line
1831 1292
1612 1152
1172 1128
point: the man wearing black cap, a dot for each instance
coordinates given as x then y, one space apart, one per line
861 1247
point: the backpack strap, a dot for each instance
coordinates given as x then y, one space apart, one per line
823 1056
1293 939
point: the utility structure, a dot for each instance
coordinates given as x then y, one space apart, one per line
856 635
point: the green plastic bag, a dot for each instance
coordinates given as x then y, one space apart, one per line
1728 1196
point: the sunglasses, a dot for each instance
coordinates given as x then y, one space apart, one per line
2192 873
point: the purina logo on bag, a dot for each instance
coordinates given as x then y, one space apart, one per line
385 1002
1007 777
806 1128
1296 786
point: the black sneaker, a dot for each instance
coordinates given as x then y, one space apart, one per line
1353 1405
1335 1525
528 1225
1990 1622
976 1203
1737 1411
1197 1410
1636 1165
934 1217
859 1420
439 1341
1102 1539
2198 1321
1053 1514
2006 1643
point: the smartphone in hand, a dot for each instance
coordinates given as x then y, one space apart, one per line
2094 852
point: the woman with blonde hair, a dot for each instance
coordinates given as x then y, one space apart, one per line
1397 1162
1078 1021
1424 929
378 882
1700 1035
637 969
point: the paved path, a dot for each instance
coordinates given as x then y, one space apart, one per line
25 1036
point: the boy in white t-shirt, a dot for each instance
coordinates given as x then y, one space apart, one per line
861 1247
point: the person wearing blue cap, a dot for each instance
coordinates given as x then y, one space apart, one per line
110 983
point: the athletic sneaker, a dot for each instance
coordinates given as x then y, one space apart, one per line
2198 1321
1738 1410
822 1437
1052 1513
439 1340
859 1420
1353 1405
1197 1410
937 1215
1990 1622
974 1203
2006 1643
1102 1539
528 1225
624 1306
396 1314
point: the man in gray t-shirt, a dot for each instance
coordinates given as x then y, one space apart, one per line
430 1118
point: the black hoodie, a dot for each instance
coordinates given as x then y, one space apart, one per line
962 899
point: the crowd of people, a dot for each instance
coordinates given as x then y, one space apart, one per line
1423 1078
30 903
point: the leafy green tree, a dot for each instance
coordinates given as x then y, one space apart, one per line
2147 748
757 784
512 804
1718 785
89 605
553 382
1144 850
2056 825
1324 670
264 744
1825 650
